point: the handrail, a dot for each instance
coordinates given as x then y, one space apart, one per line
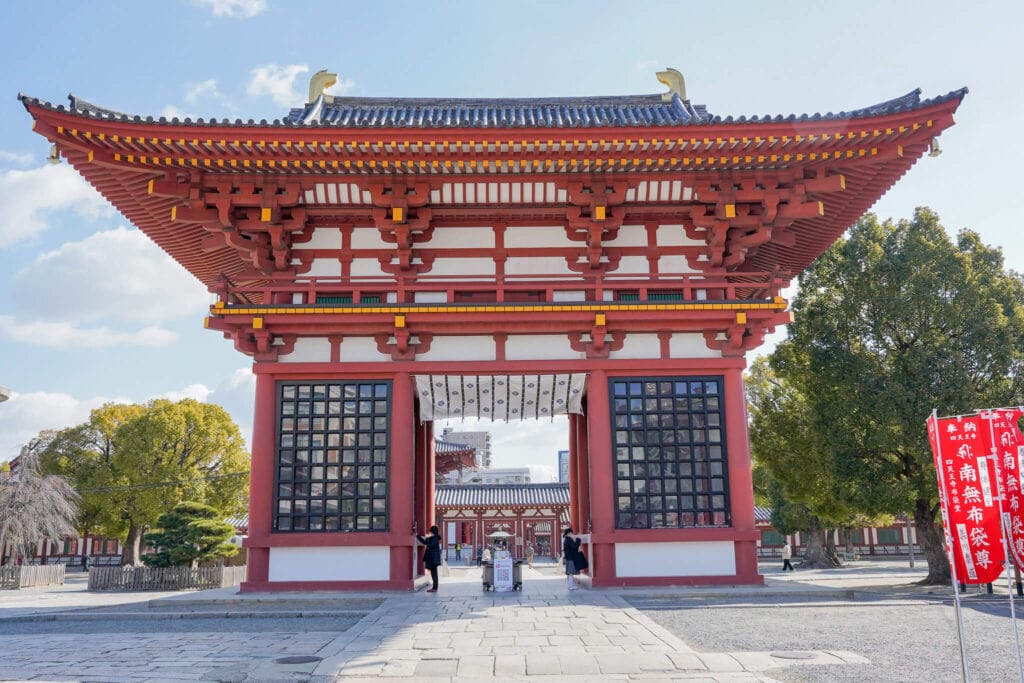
540 288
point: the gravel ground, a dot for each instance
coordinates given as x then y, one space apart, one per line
909 641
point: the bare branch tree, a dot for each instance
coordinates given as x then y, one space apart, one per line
35 506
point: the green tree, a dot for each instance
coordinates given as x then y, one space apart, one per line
34 506
190 534
799 475
891 322
132 463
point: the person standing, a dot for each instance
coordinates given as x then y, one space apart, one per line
458 551
574 560
432 555
529 555
787 555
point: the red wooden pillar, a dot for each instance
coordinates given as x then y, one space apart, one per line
574 494
584 481
599 466
261 483
741 485
403 449
423 478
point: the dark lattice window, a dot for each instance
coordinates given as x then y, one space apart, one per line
327 299
332 456
670 457
890 536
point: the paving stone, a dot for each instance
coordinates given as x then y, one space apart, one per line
506 665
437 667
542 665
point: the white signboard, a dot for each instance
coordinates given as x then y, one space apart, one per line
503 574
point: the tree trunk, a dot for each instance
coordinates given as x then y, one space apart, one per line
132 551
933 545
816 554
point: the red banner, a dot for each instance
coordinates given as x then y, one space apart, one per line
1006 442
967 492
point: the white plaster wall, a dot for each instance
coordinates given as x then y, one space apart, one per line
675 236
323 238
629 236
460 348
537 265
462 266
569 295
357 563
697 558
691 345
639 346
362 267
540 236
430 297
540 347
309 350
632 264
461 238
672 265
356 349
324 267
369 238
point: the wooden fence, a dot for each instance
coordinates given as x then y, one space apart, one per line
27 576
163 578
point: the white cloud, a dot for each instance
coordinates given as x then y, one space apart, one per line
521 443
29 197
62 335
116 274
647 65
19 158
171 112
25 415
341 88
193 91
240 9
278 82
196 392
542 474
237 395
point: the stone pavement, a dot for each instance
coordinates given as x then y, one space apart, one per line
460 633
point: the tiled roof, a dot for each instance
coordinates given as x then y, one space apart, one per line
508 495
554 112
762 514
442 446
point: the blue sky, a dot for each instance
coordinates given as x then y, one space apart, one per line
93 312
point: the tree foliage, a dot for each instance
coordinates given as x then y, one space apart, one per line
34 506
188 535
893 321
132 463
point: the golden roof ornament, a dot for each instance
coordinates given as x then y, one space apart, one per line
675 82
318 85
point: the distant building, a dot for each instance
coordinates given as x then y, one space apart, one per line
563 467
532 515
502 475
481 441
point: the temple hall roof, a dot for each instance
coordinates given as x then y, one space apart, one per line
510 495
553 112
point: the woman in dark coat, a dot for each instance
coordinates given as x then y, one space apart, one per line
432 555
574 559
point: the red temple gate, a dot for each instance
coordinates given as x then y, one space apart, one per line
386 262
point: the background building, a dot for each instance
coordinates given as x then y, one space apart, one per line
563 467
480 441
